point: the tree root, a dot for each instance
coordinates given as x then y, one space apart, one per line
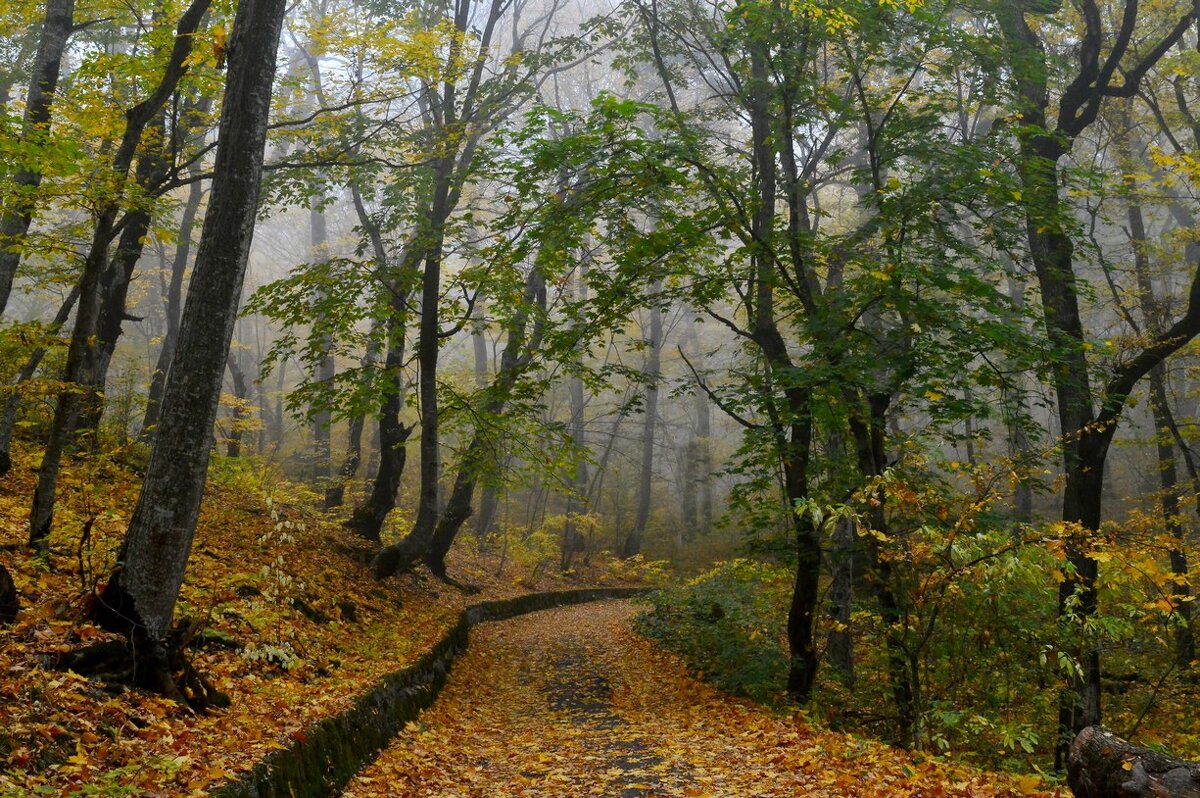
405 556
161 668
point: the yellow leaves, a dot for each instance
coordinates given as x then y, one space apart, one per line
572 703
835 19
219 37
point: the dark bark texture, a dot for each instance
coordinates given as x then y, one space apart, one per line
1102 765
83 356
9 600
633 543
16 219
141 594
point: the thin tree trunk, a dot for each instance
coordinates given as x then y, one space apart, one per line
115 281
698 491
322 419
577 502
839 642
13 403
368 519
139 598
336 492
868 425
651 372
432 545
428 349
174 298
18 216
237 422
489 499
1015 411
1168 473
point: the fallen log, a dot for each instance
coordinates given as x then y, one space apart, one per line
1102 765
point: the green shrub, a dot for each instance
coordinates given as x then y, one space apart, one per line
725 624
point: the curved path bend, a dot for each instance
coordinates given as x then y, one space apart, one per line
571 702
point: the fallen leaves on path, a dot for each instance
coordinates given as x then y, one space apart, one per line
571 702
285 664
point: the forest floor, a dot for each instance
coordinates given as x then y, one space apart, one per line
572 702
295 629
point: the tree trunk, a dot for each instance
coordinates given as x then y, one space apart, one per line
1168 472
140 596
577 501
1086 433
698 494
839 642
368 519
489 499
336 492
431 545
868 427
322 419
1015 409
237 421
1102 765
82 355
174 298
10 600
651 372
428 350
13 403
115 281
18 216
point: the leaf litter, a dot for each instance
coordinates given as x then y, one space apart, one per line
572 702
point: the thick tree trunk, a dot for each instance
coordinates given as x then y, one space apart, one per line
1086 433
82 356
1102 765
651 372
140 596
18 216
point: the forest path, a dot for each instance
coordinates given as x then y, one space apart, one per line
572 702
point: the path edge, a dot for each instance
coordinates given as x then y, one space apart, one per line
324 757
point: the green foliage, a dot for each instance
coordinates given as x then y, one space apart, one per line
725 624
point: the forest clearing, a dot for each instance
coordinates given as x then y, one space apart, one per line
785 396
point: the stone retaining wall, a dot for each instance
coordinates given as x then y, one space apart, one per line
326 756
